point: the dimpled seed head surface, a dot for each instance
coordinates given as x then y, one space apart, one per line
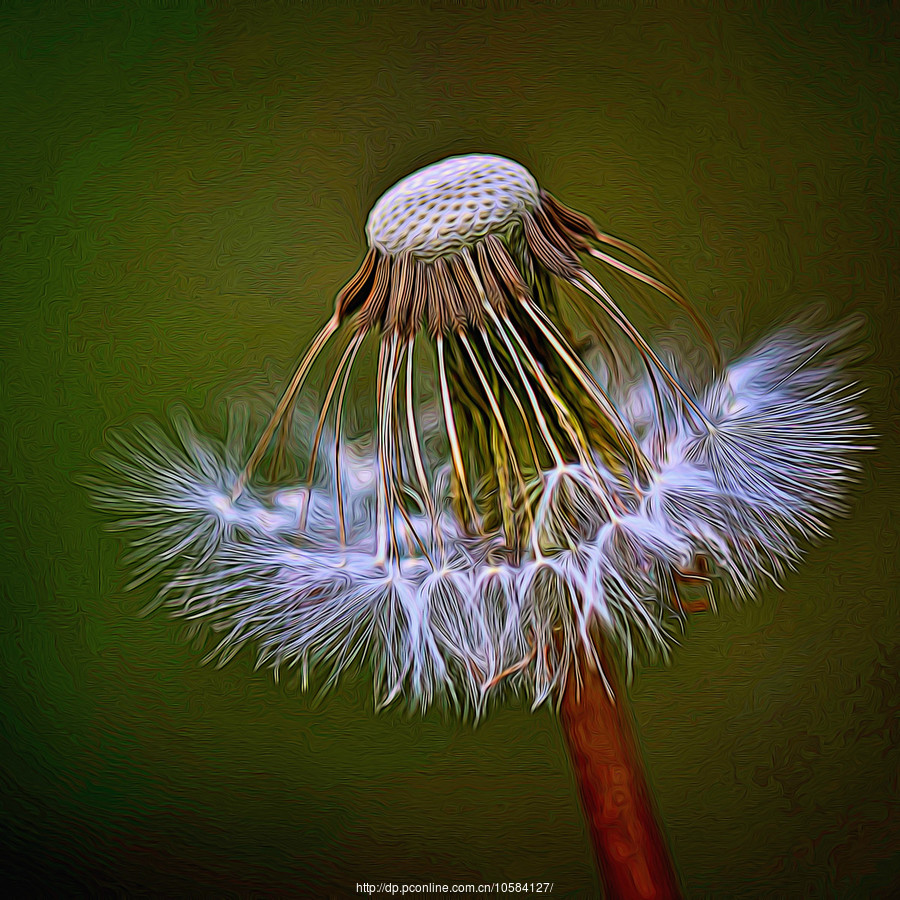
449 205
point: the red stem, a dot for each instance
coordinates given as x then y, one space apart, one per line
631 851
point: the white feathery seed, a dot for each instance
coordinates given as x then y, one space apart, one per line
448 624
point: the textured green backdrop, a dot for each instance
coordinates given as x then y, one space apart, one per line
181 193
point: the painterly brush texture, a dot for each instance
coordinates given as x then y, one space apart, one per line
182 191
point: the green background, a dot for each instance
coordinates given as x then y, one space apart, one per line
182 192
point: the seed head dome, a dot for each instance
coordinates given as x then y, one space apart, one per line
451 204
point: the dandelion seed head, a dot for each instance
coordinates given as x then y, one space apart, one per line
476 540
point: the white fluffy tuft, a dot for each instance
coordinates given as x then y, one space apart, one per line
454 618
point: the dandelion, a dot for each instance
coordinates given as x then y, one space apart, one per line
511 527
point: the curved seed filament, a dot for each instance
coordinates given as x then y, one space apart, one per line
416 446
562 412
515 397
585 378
663 289
538 413
397 453
587 283
287 399
501 423
385 536
338 418
452 435
349 354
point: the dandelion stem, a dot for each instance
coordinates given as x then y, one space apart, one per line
630 848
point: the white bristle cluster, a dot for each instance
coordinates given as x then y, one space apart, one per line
447 616
449 205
